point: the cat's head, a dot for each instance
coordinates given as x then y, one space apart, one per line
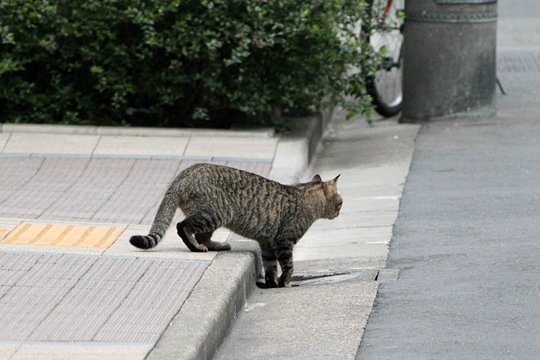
334 201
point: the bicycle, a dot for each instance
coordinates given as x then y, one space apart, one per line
386 37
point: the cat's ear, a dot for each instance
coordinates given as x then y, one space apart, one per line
336 178
317 178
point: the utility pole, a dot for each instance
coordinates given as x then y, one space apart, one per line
449 59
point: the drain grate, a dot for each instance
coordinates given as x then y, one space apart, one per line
331 277
45 297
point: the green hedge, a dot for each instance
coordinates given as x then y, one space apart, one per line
177 62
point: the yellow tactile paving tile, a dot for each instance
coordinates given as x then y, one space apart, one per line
3 232
63 235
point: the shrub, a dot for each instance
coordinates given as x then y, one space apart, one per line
178 62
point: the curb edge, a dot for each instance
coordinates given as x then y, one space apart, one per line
207 313
132 131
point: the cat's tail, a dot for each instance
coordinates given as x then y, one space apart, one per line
161 223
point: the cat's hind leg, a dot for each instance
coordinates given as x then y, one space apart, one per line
199 223
205 239
188 239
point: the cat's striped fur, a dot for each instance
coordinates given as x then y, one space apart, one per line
275 215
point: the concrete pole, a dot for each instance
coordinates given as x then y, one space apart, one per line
449 59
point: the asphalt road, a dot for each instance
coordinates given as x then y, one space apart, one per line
466 239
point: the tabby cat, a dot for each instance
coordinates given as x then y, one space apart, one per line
275 215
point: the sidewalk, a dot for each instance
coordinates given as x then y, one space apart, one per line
339 264
70 198
70 202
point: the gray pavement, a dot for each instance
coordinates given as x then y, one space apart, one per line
339 264
466 239
70 283
456 281
66 213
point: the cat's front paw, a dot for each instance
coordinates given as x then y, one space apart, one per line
268 284
284 281
285 284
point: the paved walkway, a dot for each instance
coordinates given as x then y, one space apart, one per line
70 283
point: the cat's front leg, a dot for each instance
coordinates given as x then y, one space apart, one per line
285 258
270 267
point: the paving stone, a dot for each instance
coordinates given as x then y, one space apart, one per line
3 141
43 143
104 190
78 350
50 129
73 298
323 252
8 350
141 145
16 173
255 148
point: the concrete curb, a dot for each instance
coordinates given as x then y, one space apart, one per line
131 131
222 291
200 326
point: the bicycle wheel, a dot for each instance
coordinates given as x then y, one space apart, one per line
386 87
